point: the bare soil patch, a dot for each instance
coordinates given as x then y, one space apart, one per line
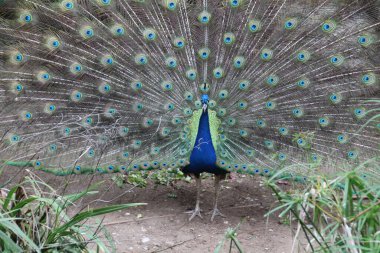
162 225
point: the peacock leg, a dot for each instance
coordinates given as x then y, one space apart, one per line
216 211
197 210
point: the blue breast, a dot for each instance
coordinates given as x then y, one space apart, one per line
203 156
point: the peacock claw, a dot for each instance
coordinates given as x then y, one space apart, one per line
216 212
195 212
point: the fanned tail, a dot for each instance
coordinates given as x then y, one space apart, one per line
111 86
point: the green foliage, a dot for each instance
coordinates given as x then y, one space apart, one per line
119 180
335 215
140 178
168 176
137 178
231 234
33 218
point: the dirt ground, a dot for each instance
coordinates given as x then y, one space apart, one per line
162 225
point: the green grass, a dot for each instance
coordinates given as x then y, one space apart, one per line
335 215
33 218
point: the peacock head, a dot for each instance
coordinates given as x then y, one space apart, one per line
204 100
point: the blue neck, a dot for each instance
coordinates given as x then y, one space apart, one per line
203 156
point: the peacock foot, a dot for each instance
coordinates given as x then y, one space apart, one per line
215 212
196 212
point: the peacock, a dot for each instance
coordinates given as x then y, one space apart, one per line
217 86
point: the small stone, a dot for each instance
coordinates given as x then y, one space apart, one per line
225 222
139 216
270 230
126 214
145 240
169 243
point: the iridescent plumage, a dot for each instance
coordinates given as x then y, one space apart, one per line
100 86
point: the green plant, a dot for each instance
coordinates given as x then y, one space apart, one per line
33 218
335 215
231 234
140 178
167 176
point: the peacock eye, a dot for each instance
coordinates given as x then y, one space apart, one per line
150 34
68 5
86 32
204 17
329 26
254 25
266 54
366 40
19 57
141 59
229 38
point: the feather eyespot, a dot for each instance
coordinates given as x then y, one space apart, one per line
204 17
254 25
329 26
